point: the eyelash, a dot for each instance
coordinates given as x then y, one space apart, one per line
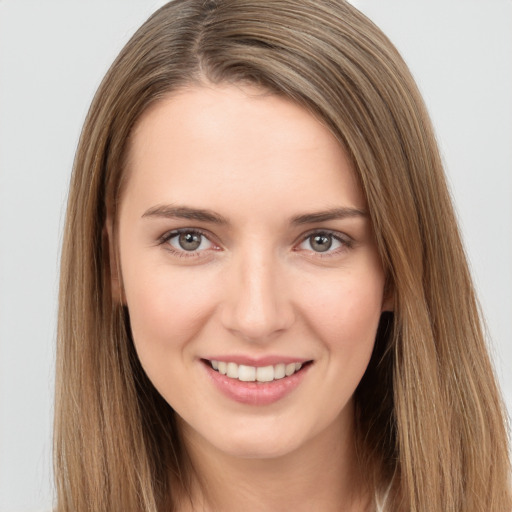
167 237
345 241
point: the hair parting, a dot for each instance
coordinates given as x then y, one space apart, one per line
431 428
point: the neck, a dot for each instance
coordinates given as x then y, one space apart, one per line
322 475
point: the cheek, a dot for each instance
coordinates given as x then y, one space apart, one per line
345 313
167 308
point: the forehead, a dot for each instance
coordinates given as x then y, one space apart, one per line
210 142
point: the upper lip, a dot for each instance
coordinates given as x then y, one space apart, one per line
269 360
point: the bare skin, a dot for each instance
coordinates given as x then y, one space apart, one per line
245 244
331 480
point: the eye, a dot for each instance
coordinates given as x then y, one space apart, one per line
322 242
188 240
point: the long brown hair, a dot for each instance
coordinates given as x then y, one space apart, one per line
430 421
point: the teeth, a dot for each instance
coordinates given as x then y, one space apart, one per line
289 369
246 373
255 373
265 373
279 371
232 370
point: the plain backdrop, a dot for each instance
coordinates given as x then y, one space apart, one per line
53 55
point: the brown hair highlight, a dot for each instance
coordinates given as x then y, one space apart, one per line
430 420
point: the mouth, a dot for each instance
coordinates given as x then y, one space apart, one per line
264 382
246 373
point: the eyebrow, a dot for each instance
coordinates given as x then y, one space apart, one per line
332 214
184 212
203 215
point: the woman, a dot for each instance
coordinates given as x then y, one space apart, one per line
265 303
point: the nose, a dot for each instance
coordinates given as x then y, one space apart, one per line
257 306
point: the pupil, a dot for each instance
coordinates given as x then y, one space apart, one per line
321 243
189 241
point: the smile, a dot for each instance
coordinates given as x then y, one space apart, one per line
247 373
264 382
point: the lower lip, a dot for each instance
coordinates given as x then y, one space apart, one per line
256 393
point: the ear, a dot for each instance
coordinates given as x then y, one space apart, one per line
113 263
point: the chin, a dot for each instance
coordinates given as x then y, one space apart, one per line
259 448
260 441
248 441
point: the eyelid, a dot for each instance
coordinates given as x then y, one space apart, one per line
168 235
346 241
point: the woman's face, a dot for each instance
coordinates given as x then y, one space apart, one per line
245 247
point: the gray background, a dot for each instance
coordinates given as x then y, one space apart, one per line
53 55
